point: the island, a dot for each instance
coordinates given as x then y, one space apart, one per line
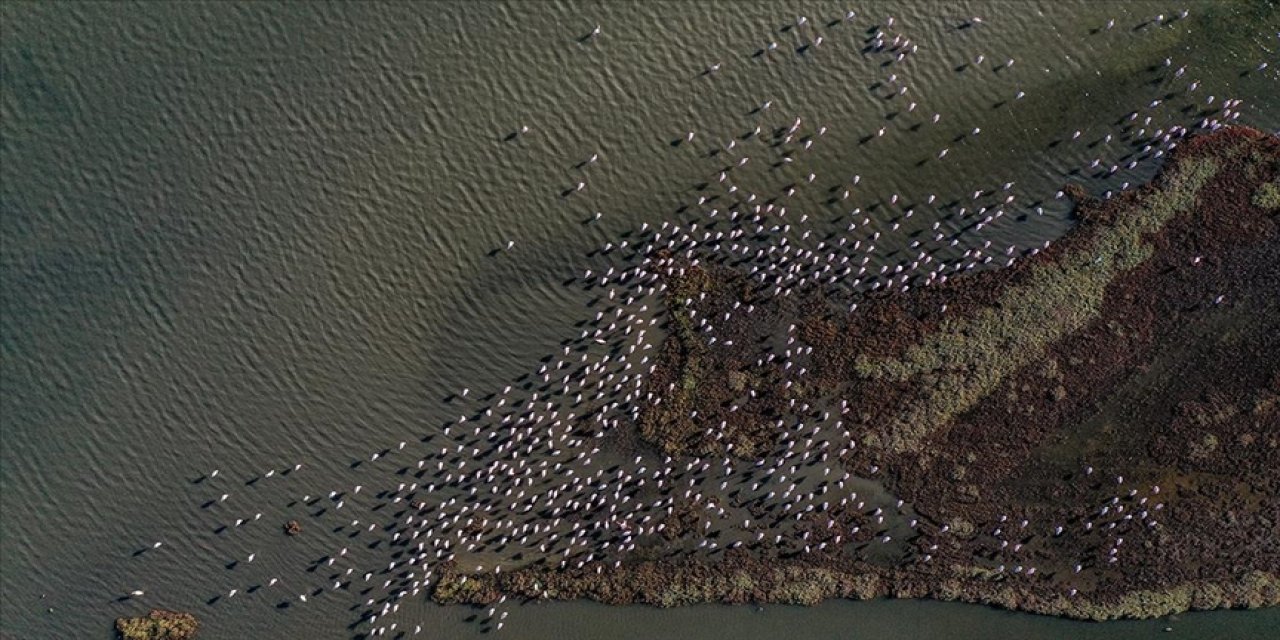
1091 432
158 625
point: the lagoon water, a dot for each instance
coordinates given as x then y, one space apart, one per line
245 236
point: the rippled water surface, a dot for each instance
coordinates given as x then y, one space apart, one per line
245 236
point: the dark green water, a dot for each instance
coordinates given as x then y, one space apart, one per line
244 236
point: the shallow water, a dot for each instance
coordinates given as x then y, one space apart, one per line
248 236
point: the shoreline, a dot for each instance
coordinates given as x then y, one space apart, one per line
674 585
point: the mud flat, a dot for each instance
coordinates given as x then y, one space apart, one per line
1092 432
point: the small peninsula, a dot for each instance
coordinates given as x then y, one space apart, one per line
1090 432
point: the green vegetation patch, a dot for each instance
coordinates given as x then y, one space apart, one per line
1267 197
158 625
